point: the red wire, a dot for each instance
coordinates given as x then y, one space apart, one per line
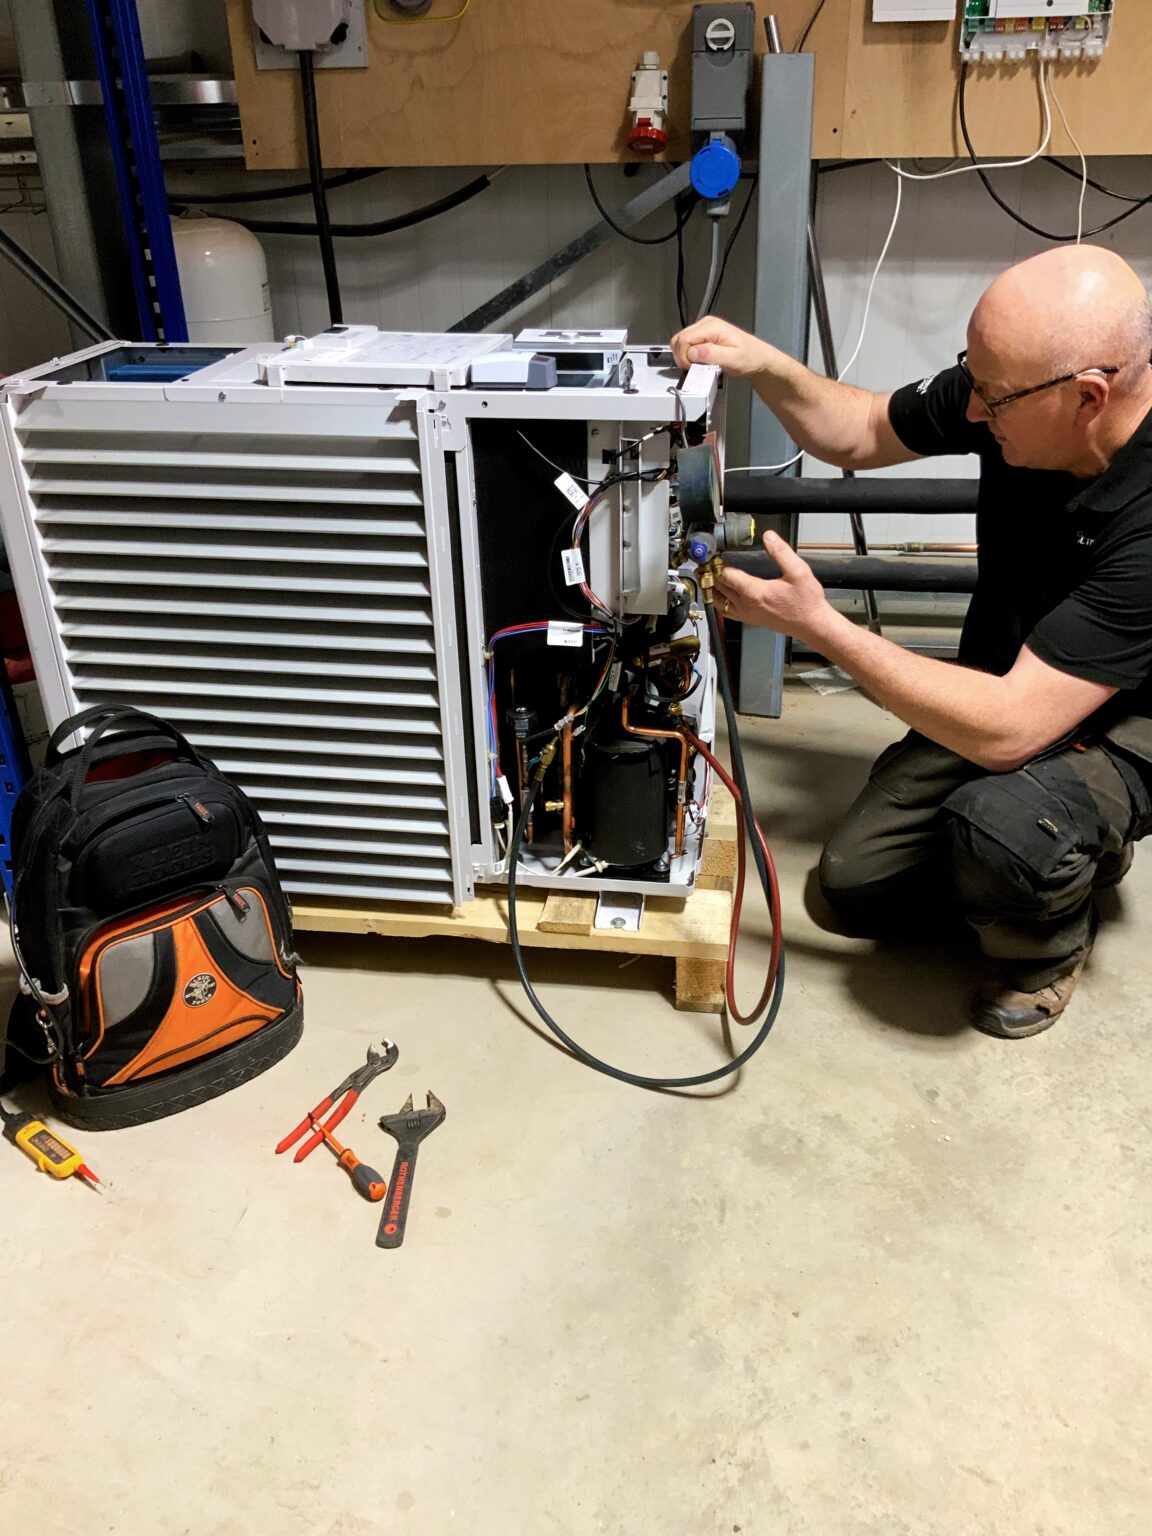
738 897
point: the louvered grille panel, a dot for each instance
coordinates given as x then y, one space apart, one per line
272 597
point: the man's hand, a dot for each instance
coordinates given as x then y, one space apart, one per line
725 346
792 603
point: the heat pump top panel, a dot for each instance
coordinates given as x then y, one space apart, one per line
360 354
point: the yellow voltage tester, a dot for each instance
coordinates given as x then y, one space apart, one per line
45 1148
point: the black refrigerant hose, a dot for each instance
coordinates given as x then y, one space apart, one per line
740 774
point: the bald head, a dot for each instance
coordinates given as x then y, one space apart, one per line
1070 308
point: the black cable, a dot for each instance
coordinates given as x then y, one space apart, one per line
1045 234
379 226
812 20
681 219
735 235
1070 170
319 195
272 194
741 777
681 289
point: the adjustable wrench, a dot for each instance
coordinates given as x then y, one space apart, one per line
409 1127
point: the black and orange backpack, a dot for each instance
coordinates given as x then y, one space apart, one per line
153 937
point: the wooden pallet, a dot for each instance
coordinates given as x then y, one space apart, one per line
691 930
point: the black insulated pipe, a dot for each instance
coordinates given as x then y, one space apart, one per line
768 496
871 573
319 192
53 291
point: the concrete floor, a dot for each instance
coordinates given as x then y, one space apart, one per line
893 1281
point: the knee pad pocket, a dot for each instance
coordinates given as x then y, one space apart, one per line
1037 815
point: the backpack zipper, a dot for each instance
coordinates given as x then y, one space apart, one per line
201 812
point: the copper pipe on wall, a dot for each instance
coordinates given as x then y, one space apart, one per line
682 777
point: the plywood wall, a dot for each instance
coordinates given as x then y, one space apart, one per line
518 82
543 82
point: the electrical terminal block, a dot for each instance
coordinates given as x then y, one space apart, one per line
1008 31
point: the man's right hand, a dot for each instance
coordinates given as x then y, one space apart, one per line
724 345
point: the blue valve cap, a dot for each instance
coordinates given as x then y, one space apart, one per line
715 170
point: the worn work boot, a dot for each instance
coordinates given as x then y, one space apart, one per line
1112 867
998 1009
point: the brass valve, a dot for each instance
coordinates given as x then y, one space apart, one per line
708 575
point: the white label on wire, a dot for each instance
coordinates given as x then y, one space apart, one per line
565 634
568 487
573 562
614 676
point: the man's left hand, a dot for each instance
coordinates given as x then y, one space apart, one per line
792 603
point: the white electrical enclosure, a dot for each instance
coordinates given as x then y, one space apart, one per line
279 549
913 10
1007 31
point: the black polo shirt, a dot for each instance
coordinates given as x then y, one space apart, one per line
1065 565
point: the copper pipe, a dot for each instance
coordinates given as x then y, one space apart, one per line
566 759
521 759
910 549
682 778
566 768
523 776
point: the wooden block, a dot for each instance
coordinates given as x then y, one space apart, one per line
718 857
700 985
717 867
564 913
721 814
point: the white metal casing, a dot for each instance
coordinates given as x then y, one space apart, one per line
285 571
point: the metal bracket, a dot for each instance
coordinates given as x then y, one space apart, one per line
621 910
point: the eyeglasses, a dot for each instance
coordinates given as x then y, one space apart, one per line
992 406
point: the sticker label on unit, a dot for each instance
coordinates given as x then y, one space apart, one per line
568 487
573 562
614 676
565 634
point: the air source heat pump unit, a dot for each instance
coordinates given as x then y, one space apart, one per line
371 589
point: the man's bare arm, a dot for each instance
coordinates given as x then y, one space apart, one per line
999 723
838 423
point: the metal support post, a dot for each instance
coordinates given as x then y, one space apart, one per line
780 313
75 163
139 175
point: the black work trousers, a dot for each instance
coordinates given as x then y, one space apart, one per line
1015 853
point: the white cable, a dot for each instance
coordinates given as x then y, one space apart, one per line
1083 164
713 269
741 468
872 285
1044 85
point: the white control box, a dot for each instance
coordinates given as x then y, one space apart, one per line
1007 31
913 10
